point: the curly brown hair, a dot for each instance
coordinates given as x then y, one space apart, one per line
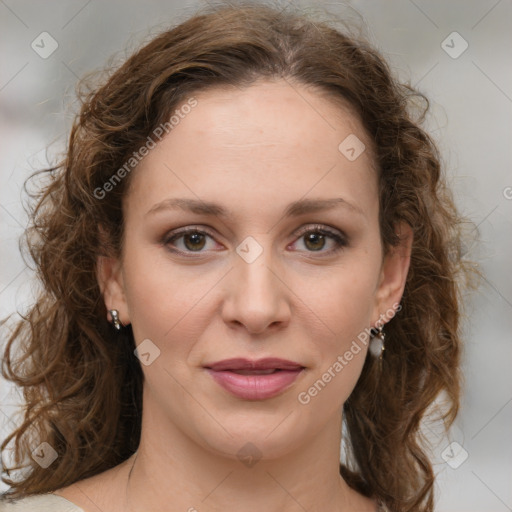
82 383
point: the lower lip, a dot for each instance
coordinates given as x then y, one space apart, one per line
255 387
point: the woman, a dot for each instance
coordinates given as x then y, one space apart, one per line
248 246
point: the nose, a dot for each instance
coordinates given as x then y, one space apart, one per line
256 296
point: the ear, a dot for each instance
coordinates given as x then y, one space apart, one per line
110 280
393 276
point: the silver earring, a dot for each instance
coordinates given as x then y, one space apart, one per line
377 342
115 319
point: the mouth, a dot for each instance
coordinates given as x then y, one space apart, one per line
255 379
255 372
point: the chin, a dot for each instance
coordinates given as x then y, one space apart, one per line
263 436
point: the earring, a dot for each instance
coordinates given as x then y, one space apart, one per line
377 342
115 319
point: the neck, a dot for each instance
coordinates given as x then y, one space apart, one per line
171 469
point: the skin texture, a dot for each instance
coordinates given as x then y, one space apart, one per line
253 151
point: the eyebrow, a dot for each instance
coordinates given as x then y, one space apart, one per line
300 207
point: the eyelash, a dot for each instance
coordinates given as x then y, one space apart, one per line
339 238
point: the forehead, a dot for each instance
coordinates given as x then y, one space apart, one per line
276 107
275 138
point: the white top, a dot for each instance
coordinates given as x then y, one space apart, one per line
54 503
39 503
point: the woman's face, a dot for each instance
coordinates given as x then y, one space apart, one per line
284 261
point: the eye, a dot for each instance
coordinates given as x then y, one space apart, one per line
315 238
187 240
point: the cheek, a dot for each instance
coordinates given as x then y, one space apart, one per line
162 297
344 298
344 306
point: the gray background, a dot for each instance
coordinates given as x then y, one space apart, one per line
470 119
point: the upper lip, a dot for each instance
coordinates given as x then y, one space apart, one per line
267 363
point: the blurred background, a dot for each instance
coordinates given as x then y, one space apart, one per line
457 53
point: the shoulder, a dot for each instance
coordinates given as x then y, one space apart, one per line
38 503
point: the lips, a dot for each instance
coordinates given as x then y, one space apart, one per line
255 379
269 363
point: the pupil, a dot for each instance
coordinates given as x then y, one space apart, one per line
196 241
311 238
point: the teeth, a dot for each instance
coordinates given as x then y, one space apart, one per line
255 372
